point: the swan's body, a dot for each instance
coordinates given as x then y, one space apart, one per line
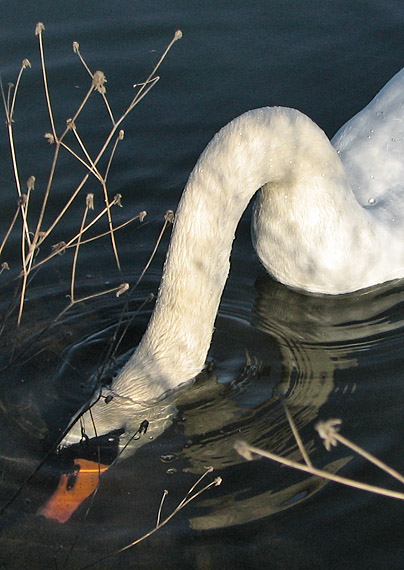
322 222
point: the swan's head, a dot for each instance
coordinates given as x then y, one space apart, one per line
136 422
113 428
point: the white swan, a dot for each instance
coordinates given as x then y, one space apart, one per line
328 219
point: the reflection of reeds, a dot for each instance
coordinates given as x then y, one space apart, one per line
33 232
329 432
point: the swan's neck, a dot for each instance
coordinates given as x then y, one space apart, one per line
287 154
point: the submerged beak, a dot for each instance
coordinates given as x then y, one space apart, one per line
90 458
87 461
72 490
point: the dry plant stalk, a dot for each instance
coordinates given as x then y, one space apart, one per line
329 432
33 233
191 495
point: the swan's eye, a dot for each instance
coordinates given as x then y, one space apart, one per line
109 398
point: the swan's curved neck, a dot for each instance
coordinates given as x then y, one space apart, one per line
280 149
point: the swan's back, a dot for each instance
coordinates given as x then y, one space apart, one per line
371 147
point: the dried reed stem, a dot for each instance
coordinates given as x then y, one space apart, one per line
89 206
248 451
30 241
329 432
296 435
10 229
168 219
190 496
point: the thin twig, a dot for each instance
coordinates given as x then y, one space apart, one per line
26 63
38 32
151 78
165 493
10 229
115 229
88 298
371 458
297 435
73 240
329 432
89 206
168 219
76 49
189 497
247 451
120 137
88 166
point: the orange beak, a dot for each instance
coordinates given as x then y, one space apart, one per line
72 490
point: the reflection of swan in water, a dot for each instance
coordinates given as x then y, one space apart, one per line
316 336
322 222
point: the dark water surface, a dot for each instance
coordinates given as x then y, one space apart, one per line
331 357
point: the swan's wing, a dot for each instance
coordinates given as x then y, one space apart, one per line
371 147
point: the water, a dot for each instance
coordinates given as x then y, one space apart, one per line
329 357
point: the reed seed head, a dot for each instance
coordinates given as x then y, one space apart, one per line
39 28
98 82
121 135
70 124
122 289
117 200
242 449
26 63
90 201
142 215
50 138
31 183
76 47
169 216
328 431
59 247
177 35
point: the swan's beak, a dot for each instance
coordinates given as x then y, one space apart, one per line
73 489
87 461
92 456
